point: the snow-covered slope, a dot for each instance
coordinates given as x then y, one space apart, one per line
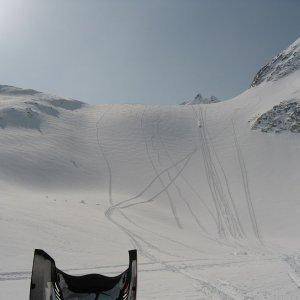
211 205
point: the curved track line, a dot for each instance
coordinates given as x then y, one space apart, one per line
173 208
151 182
177 187
136 239
105 157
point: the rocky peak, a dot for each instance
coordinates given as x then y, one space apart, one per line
199 99
283 64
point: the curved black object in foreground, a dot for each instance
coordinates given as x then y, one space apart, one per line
50 283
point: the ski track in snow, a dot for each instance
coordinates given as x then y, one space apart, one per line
105 156
246 186
227 220
137 240
173 208
205 227
179 192
232 202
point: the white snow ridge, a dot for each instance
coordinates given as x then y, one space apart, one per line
211 205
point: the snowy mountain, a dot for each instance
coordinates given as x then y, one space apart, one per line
211 205
30 113
283 64
199 99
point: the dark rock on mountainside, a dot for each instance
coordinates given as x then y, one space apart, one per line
283 64
282 117
199 99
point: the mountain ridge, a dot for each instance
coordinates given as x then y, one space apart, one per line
281 65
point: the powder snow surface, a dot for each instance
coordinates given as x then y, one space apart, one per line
211 206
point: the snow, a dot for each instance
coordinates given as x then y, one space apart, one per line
211 205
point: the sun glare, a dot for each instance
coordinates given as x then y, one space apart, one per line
11 14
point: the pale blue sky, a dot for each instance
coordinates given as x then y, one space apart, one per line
149 51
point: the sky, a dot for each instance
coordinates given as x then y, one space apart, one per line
141 51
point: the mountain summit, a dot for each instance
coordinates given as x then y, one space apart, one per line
199 99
